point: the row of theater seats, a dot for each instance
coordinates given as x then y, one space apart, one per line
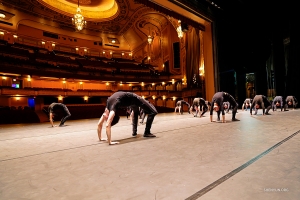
64 62
14 108
18 116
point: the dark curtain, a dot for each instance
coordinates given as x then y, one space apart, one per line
192 58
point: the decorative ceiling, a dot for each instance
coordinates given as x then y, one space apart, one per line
103 16
127 20
91 9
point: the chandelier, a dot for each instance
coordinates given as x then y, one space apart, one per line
179 30
78 19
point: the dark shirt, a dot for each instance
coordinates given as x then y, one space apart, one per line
292 99
54 106
278 99
121 100
221 97
199 102
262 101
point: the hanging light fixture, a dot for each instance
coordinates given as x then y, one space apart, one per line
78 19
179 30
150 38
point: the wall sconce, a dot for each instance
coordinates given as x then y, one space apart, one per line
163 83
153 97
143 84
1 33
2 15
110 53
143 97
130 54
64 82
183 81
153 84
130 84
80 83
164 97
17 98
28 79
150 39
201 70
60 98
15 36
85 98
53 44
173 81
179 30
107 83
103 52
122 54
163 65
3 77
76 49
121 83
174 98
43 43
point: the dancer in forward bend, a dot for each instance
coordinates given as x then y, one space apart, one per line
124 99
217 105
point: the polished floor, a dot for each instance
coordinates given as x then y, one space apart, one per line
191 158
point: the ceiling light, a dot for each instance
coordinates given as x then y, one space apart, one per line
78 19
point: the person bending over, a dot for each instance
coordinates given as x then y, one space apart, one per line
226 105
246 104
291 101
208 104
61 106
260 101
277 102
198 104
217 105
179 105
124 99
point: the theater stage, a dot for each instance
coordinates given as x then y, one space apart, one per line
191 158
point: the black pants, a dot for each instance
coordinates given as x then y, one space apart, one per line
267 111
234 111
149 109
67 115
143 117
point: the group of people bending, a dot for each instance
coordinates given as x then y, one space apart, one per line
138 106
221 103
261 101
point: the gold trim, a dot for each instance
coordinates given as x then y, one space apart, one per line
98 12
